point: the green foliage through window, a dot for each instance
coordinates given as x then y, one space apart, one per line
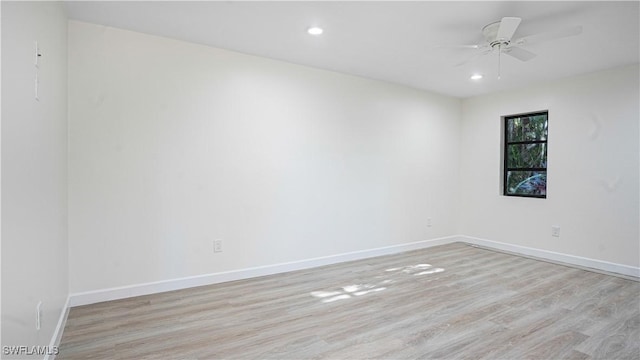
525 155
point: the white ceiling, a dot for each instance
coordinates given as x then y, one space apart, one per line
392 40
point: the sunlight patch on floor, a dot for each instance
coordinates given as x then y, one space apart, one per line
355 290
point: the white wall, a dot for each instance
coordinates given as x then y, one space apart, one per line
593 174
173 145
34 171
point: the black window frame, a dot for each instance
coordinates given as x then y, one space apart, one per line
505 153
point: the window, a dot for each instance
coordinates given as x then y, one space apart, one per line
525 155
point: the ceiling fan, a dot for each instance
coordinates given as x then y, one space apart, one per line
499 38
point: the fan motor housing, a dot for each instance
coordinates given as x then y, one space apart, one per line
490 32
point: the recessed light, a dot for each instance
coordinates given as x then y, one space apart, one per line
315 30
476 77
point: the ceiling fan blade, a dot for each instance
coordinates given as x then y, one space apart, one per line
519 53
508 27
456 47
483 51
550 35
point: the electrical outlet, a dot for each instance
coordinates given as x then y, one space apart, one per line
38 314
555 231
217 245
429 222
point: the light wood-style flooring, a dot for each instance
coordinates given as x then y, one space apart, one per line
446 302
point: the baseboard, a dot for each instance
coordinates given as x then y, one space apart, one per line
92 297
555 256
57 334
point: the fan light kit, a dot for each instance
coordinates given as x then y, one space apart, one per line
499 38
315 30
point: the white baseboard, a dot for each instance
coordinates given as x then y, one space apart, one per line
91 297
57 334
554 256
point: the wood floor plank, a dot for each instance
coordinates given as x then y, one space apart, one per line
447 302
